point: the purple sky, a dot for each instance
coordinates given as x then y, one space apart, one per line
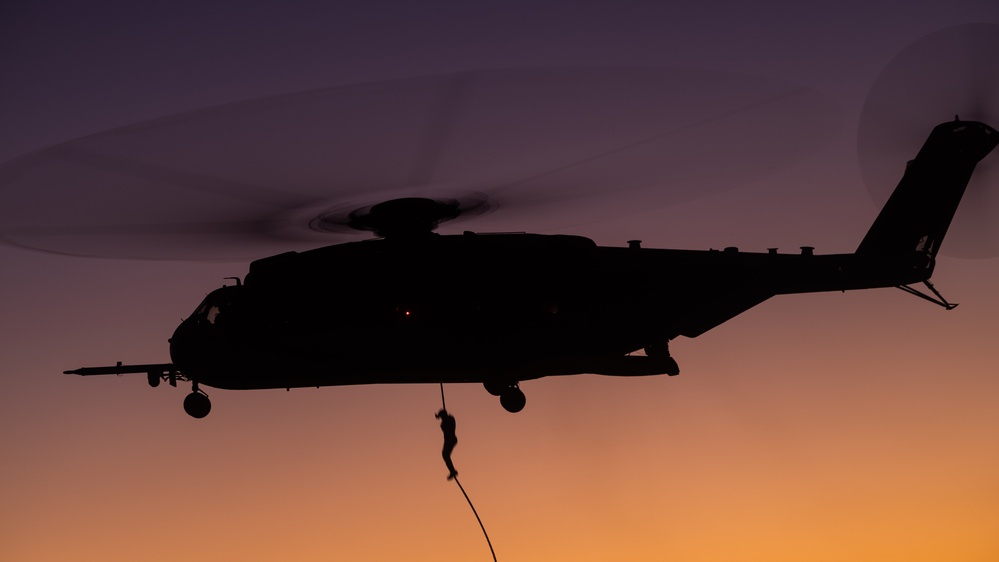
818 427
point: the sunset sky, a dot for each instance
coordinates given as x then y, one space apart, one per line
826 427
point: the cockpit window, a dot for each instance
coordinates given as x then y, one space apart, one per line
216 305
213 313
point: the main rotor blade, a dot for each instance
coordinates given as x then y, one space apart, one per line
534 149
239 240
440 127
698 142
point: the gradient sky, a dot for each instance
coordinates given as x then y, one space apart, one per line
856 426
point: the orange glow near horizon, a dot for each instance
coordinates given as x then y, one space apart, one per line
811 453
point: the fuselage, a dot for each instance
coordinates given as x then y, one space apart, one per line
417 307
488 307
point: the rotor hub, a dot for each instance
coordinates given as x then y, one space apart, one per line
405 217
408 216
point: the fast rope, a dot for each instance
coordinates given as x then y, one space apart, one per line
477 518
464 493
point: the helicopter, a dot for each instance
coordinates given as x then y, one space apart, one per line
412 306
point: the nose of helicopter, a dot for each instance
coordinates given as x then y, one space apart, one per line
186 347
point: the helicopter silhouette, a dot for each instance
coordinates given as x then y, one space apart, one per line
414 306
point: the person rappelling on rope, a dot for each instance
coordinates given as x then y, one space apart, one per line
448 426
450 440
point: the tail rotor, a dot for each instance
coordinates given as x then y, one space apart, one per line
946 74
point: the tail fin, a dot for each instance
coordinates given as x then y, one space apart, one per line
917 214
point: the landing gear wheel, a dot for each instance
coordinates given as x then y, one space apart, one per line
496 388
197 405
513 399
